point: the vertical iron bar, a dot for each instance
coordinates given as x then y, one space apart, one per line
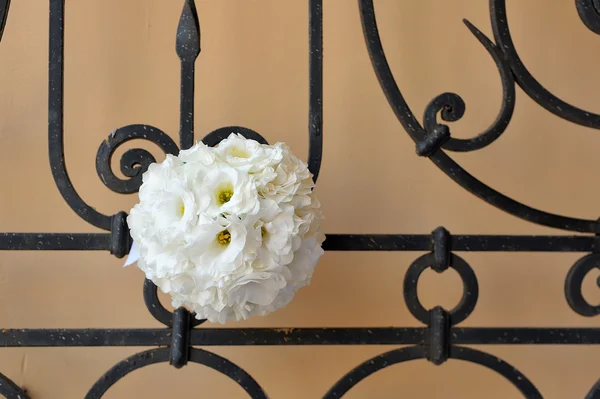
186 123
56 123
315 104
188 48
180 338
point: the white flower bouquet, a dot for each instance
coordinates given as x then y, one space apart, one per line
228 232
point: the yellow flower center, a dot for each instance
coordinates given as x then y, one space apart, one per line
223 193
182 209
224 196
239 152
224 237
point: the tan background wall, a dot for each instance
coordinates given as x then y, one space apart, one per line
121 68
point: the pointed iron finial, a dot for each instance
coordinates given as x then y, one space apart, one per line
188 32
188 48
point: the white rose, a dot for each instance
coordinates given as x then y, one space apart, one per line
292 181
308 219
158 263
277 232
160 221
167 218
256 288
248 155
305 259
199 153
234 298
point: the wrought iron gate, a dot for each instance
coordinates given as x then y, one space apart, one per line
441 338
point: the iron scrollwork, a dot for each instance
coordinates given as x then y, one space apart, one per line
134 162
574 282
161 355
441 338
419 352
452 108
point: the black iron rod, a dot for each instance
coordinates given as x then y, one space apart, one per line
56 120
315 102
187 45
334 242
54 241
473 243
296 336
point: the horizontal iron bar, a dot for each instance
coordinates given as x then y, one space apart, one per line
483 243
85 337
525 336
296 336
54 241
334 242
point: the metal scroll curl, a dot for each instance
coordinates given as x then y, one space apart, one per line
573 285
588 12
453 107
134 162
439 157
402 355
161 355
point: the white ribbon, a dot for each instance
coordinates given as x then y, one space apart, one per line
134 255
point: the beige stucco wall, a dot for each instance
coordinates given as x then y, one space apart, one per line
121 68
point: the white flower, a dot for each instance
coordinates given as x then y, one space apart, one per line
228 232
289 181
258 288
248 155
309 218
198 154
222 246
278 233
224 189
305 259
158 263
167 207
